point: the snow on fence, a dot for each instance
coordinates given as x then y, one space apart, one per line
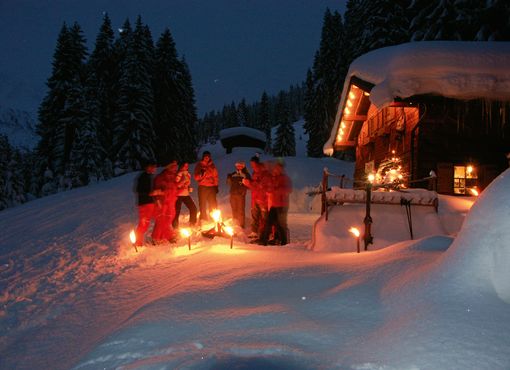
377 194
418 197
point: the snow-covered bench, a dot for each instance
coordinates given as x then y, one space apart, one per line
418 197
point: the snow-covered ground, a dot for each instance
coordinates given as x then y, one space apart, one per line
75 294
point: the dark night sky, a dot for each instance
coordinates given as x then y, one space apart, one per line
234 48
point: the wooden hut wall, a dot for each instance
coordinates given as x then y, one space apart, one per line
460 133
384 131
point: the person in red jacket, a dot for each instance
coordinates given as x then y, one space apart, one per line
257 185
206 175
183 180
165 188
144 184
279 188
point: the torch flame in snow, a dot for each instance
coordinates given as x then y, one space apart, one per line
229 230
216 215
185 232
354 231
132 236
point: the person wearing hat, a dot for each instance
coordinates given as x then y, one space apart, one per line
206 175
145 201
238 192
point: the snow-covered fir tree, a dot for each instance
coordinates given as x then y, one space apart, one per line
327 76
242 113
166 98
385 23
188 115
102 65
12 185
133 122
264 123
88 162
56 124
436 20
494 24
285 140
229 116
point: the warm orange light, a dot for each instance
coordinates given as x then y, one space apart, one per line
354 231
216 215
132 236
229 230
474 192
342 124
347 110
349 103
469 169
352 95
371 178
186 233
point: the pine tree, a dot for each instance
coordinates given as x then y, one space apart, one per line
285 142
103 66
264 122
242 113
11 180
166 98
385 24
5 155
133 123
435 20
56 126
176 117
88 162
229 116
188 115
494 22
328 74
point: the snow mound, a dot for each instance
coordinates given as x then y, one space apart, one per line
480 255
389 226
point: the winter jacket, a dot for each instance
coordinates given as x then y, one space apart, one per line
144 188
280 186
183 181
165 182
258 186
235 181
206 174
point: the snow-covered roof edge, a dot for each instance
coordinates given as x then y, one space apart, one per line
456 69
242 130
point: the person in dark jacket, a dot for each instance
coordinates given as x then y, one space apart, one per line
144 185
238 192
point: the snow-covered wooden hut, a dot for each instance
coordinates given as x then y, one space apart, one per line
439 106
242 137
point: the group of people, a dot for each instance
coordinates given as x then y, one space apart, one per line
161 198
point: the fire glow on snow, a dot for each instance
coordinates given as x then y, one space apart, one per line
75 294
